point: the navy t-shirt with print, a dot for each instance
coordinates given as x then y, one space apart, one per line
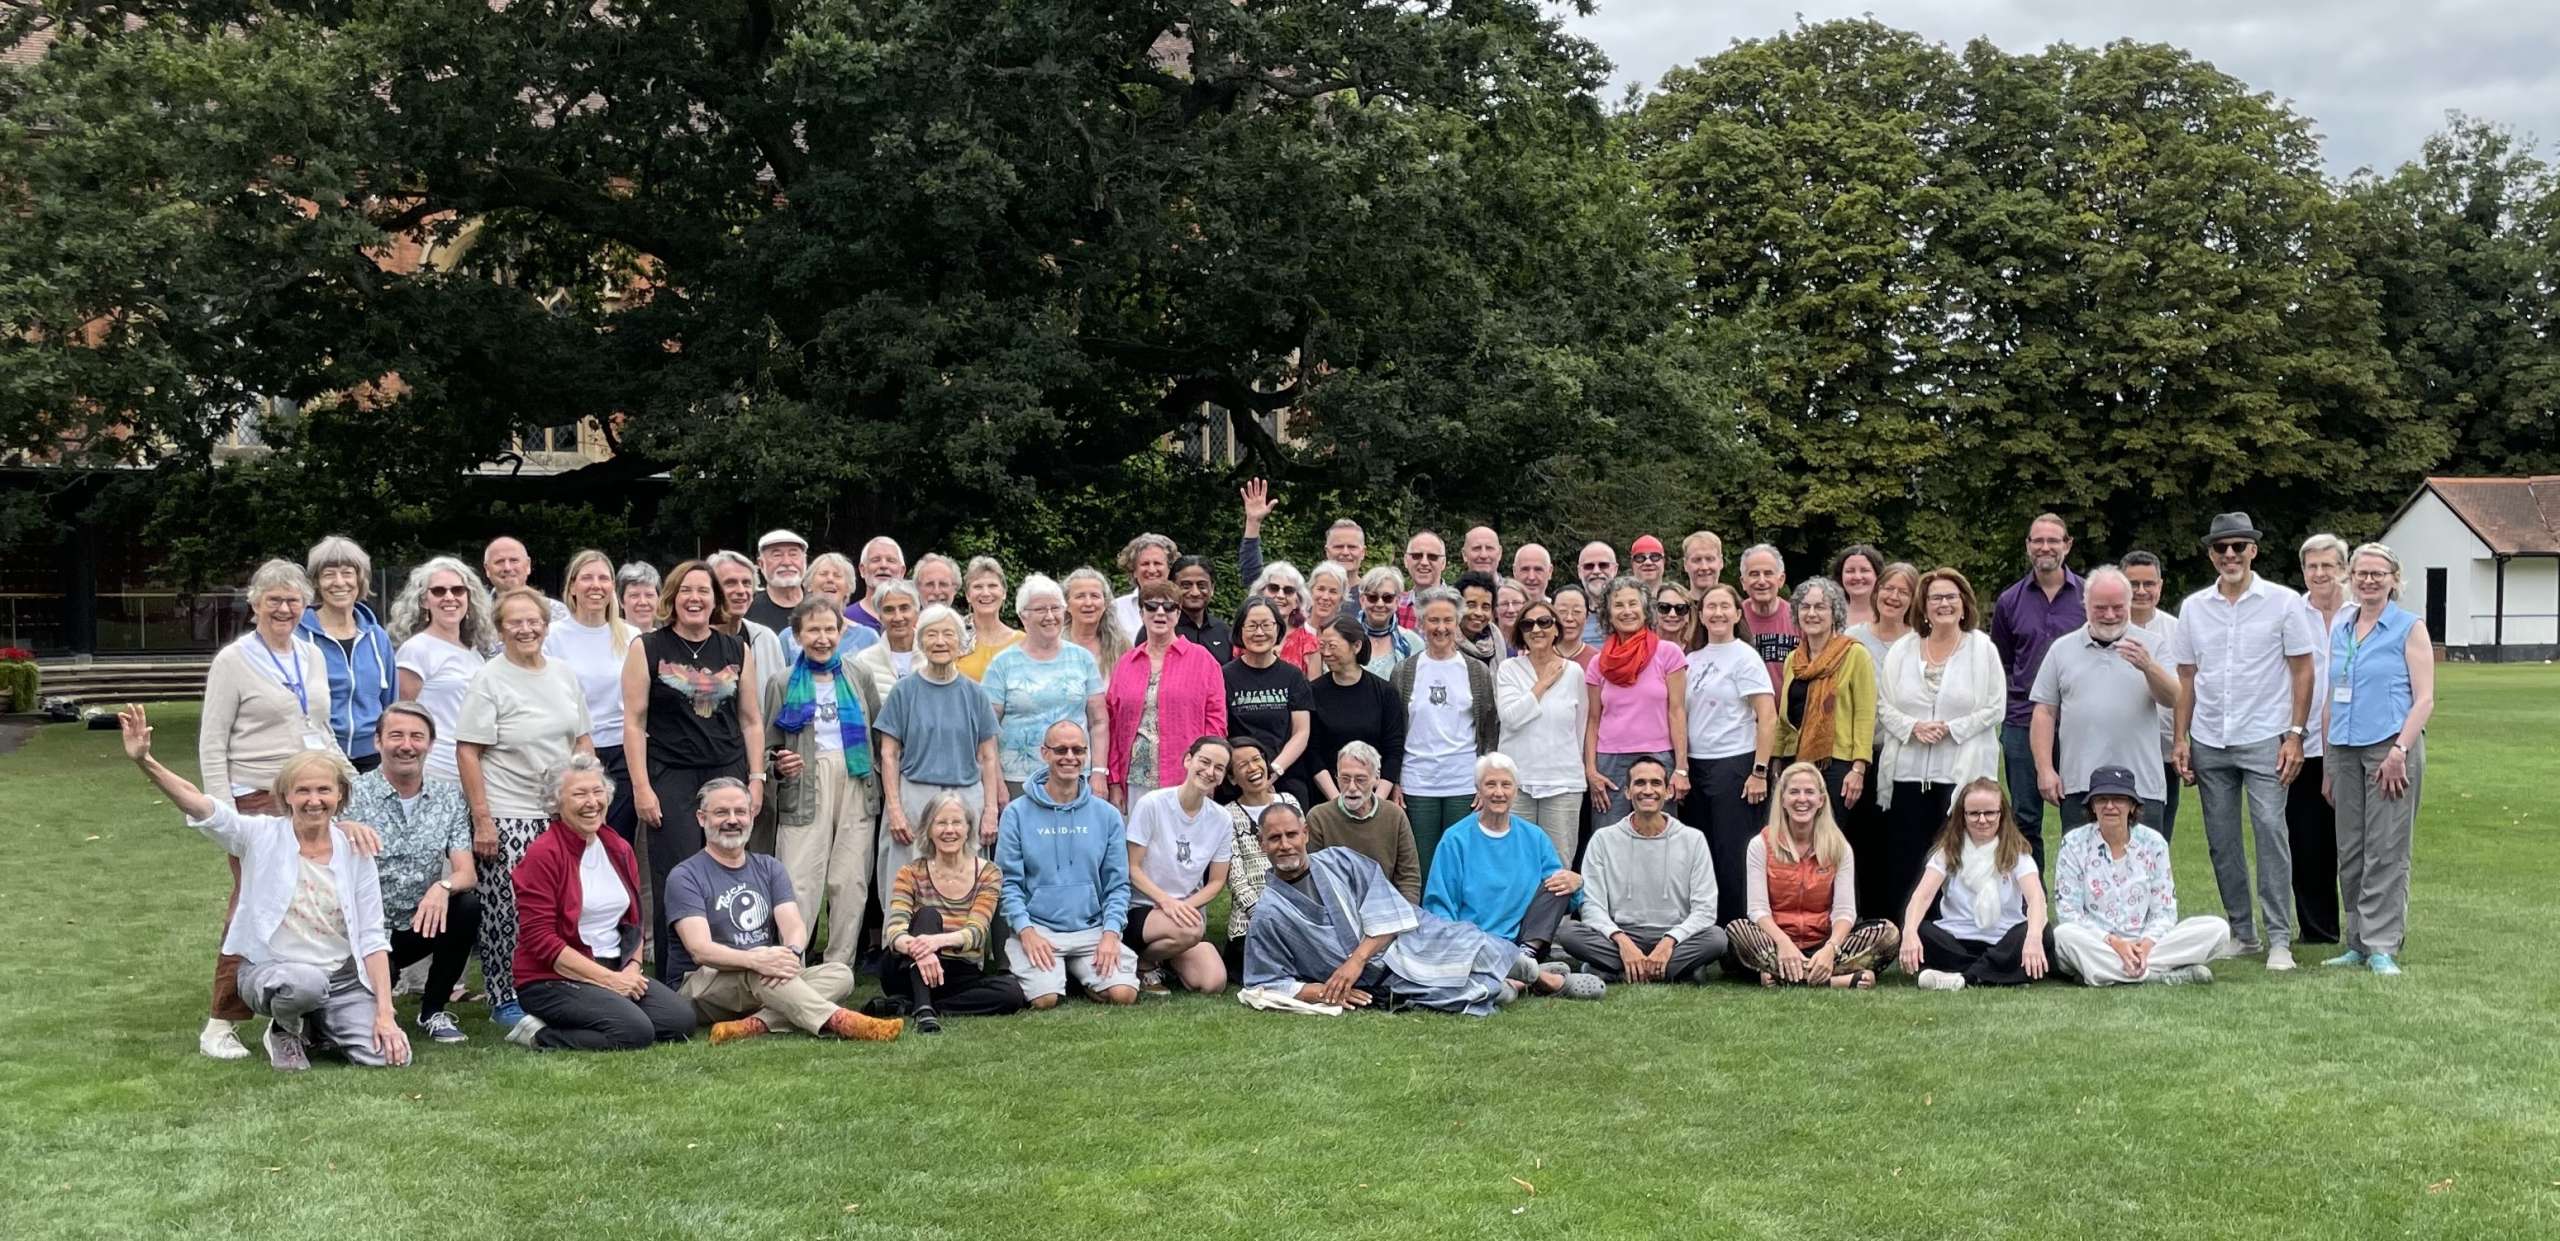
738 904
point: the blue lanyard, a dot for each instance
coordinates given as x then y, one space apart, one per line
293 680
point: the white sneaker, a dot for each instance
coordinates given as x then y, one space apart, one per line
2235 947
525 1030
220 1041
1941 980
2279 957
2184 975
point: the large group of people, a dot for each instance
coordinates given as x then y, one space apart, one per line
713 798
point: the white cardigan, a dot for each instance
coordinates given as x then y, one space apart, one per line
270 866
1972 698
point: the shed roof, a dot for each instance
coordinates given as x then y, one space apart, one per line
2512 516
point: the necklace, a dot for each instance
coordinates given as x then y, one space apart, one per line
692 649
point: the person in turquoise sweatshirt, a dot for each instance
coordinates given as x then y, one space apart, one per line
1065 857
364 675
1490 872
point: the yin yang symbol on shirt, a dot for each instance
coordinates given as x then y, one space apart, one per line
747 911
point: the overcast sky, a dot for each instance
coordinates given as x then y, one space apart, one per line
2375 75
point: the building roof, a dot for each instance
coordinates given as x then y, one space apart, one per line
2512 516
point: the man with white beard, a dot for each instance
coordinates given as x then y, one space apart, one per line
883 562
2097 698
739 936
783 559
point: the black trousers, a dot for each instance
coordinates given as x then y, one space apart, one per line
2311 823
2169 804
1715 807
1919 813
966 991
1546 913
678 836
581 1016
620 815
1999 964
447 953
367 763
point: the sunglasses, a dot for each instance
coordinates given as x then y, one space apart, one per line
1426 555
448 592
2230 549
1160 605
1536 623
1595 566
1671 609
1642 557
1067 751
1386 597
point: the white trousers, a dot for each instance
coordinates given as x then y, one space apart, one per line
2085 954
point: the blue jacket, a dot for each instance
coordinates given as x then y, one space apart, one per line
1066 865
359 687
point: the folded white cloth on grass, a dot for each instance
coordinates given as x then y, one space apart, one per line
1273 1001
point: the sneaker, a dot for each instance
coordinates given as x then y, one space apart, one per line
2381 963
285 1049
2185 974
1583 987
928 1021
2236 948
219 1041
526 1030
1941 980
2349 957
507 1016
1152 982
441 1027
735 1031
2279 958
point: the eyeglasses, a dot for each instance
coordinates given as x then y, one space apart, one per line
448 592
1671 609
1160 605
1949 600
2231 549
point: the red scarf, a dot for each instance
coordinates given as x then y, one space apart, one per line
1627 656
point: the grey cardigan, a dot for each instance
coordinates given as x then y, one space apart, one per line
1479 690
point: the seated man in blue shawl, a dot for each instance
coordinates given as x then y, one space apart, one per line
1333 916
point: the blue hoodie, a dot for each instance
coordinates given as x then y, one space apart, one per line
359 687
1066 865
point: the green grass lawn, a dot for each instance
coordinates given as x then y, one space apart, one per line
2323 1104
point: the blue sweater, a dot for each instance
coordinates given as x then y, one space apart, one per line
359 686
1066 865
1490 881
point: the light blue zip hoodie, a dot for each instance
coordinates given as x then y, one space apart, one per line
1066 865
359 688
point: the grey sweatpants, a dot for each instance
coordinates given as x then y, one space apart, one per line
1688 957
334 1009
2223 775
2374 837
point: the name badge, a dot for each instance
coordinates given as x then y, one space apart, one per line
318 741
2341 695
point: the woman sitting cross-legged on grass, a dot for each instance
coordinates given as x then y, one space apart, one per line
308 925
941 907
577 959
1991 929
1802 896
2117 904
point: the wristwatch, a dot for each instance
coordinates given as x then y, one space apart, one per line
447 885
1760 769
2297 731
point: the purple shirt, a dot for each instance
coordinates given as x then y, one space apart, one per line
2023 625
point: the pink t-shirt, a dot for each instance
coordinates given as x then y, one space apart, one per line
1636 719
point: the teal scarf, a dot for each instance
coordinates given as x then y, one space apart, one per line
800 707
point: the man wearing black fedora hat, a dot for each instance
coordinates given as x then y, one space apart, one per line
2244 705
2115 903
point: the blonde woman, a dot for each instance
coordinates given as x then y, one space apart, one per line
1090 623
982 590
1802 928
592 640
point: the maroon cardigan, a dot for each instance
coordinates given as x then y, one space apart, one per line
548 901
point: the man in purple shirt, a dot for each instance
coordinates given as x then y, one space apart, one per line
2035 610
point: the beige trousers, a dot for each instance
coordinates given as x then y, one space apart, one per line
829 857
803 1003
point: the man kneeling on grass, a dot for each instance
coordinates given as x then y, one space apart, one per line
739 935
1065 857
2115 902
1332 915
1648 893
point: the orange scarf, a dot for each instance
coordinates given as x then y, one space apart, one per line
1627 656
1813 731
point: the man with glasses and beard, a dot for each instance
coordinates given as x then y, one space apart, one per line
2097 701
783 558
1596 567
2244 706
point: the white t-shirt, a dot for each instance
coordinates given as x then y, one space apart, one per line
314 929
531 721
2164 624
1962 915
1180 849
1723 678
827 727
601 901
444 671
1440 729
592 654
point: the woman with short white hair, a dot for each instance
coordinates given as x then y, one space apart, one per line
336 622
1146 558
635 589
1388 643
266 700
2311 823
1282 584
935 732
1328 589
1501 874
886 662
1039 681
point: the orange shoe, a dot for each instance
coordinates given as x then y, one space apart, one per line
732 1031
849 1024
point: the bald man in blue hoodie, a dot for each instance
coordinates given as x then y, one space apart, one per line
1065 857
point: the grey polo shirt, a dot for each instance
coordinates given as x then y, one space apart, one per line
2104 713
